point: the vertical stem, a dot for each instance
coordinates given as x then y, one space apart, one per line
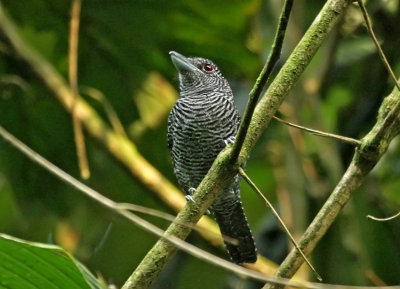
380 51
73 82
262 78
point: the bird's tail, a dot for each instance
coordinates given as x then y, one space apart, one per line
233 223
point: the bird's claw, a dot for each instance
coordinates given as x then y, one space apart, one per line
189 198
229 140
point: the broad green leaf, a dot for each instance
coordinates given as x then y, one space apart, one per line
28 265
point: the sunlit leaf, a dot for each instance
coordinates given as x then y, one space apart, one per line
154 101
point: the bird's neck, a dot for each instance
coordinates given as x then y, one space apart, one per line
205 92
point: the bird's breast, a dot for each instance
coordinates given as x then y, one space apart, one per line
203 123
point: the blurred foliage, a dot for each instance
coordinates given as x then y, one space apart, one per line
123 53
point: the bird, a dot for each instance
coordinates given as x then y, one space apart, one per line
202 122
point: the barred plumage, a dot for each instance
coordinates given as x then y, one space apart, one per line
199 125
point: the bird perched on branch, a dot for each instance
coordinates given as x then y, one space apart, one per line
202 122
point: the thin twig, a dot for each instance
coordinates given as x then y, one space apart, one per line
383 219
390 117
378 46
73 45
349 140
257 190
17 81
169 217
108 108
374 278
73 82
262 78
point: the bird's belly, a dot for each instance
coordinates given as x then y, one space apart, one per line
195 149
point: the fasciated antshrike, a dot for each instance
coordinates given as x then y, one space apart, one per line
202 122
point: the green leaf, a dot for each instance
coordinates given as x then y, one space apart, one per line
34 265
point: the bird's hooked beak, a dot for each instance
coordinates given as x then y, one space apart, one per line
182 63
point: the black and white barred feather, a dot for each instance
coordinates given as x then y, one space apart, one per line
199 125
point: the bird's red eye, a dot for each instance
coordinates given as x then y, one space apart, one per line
208 67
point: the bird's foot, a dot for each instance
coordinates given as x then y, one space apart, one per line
189 196
229 140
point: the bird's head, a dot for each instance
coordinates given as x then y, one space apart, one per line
198 74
